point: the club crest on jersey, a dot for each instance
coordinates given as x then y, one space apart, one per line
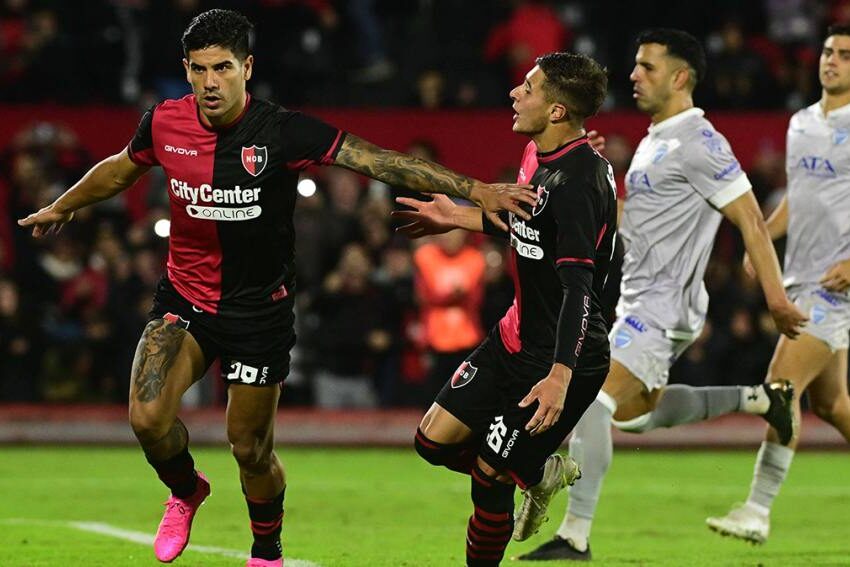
542 199
840 135
254 159
818 314
622 338
463 375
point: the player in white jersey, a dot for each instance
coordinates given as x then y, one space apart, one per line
815 215
683 180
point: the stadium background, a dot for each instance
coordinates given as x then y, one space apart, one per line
424 76
429 77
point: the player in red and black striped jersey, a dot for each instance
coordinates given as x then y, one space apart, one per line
232 165
514 400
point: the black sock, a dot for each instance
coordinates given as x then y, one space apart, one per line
266 524
177 473
492 523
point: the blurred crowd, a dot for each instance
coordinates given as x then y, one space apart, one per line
419 53
382 321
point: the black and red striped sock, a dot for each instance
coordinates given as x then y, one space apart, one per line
492 522
177 473
266 524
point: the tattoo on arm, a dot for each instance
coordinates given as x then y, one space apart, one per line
401 170
155 356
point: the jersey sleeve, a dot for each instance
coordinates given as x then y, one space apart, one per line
307 141
140 148
577 209
713 170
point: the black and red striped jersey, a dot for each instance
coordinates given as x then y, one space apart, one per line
232 192
561 256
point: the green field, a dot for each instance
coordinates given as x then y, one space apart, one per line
386 508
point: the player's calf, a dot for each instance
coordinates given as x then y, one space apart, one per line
458 457
266 526
489 529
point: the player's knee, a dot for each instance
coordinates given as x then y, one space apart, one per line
250 454
438 454
148 423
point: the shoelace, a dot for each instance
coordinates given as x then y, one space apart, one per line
172 521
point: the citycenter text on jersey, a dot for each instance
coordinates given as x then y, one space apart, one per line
206 193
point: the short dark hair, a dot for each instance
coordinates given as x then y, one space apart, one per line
679 44
575 80
838 29
224 28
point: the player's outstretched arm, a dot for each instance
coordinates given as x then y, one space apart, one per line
436 217
106 179
402 170
744 213
777 227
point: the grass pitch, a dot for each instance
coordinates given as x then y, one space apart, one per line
387 508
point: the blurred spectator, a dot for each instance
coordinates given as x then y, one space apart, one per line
352 333
449 285
533 29
19 347
738 76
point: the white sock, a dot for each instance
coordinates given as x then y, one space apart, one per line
754 400
577 530
772 464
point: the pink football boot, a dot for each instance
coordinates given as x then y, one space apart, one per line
172 536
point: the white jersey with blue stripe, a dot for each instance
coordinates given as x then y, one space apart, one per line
682 173
818 166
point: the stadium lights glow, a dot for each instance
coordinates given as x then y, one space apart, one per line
306 187
162 228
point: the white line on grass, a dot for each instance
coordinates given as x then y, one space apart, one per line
145 539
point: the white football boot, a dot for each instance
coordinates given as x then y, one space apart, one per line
742 522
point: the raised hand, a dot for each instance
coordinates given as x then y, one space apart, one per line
503 197
46 221
427 217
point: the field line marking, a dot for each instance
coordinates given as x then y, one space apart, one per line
143 538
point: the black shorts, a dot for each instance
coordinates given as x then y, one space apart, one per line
484 393
252 350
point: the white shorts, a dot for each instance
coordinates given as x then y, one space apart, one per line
647 352
828 313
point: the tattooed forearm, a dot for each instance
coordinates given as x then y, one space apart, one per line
401 170
155 355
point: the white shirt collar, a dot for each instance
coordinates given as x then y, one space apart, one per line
675 119
840 111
